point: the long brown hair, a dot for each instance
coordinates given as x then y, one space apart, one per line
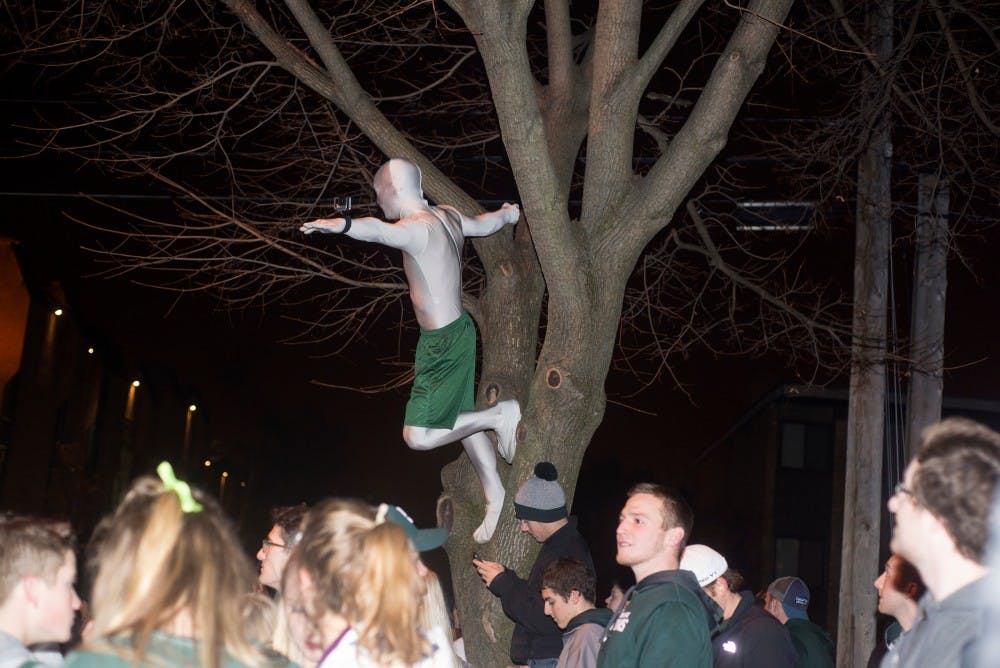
155 562
364 570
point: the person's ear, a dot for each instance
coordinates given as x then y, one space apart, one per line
910 590
30 587
574 597
673 539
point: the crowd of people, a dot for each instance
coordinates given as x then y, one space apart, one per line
689 608
171 585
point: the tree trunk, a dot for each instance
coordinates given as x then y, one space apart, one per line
927 321
545 425
562 405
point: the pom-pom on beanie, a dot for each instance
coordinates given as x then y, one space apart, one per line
541 498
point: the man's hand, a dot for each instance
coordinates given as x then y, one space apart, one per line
511 213
488 570
333 225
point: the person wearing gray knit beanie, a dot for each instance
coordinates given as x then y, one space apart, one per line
541 498
540 507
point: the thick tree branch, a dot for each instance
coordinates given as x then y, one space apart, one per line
614 106
664 42
563 99
560 252
559 43
705 132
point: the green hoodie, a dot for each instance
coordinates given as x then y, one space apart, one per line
667 622
811 642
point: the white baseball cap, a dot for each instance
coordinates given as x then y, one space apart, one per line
706 564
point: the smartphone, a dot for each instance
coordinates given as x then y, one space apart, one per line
475 556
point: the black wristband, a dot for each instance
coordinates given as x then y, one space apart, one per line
347 223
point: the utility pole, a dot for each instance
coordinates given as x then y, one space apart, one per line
866 405
930 283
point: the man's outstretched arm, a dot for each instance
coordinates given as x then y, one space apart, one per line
400 235
486 224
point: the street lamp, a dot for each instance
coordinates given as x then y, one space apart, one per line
130 402
187 433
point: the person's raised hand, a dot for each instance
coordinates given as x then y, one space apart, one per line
332 225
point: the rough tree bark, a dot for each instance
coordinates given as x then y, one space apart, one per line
866 405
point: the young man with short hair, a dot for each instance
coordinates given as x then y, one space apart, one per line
540 507
942 514
748 637
38 602
569 590
787 599
899 589
667 620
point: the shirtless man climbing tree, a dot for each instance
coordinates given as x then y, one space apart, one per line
441 408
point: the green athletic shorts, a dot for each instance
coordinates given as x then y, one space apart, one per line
444 375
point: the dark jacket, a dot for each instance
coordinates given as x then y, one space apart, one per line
812 643
753 638
536 636
892 634
667 621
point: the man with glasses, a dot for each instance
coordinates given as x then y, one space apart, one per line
277 547
941 514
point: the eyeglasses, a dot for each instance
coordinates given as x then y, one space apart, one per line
266 545
900 489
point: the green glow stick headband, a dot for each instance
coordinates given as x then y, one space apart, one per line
178 487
